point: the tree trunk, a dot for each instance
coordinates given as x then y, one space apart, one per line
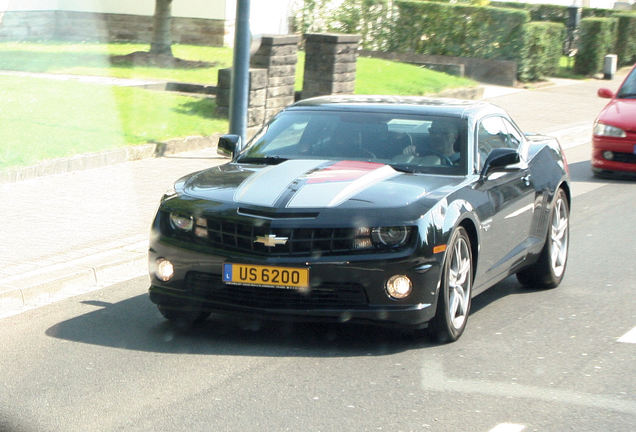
161 31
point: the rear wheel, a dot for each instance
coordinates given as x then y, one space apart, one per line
183 318
549 269
453 300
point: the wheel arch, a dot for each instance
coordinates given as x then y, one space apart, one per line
568 194
469 225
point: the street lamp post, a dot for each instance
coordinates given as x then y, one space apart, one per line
239 93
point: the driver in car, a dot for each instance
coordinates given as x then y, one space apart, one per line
443 136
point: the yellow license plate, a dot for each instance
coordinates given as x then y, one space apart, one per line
267 276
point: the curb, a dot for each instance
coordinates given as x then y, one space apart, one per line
59 281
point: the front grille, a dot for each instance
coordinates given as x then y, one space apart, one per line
625 158
325 296
242 237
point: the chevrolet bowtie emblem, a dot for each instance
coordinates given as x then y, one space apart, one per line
271 240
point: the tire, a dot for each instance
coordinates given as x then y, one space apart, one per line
549 269
183 318
453 300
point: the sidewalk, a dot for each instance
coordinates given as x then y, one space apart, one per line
78 231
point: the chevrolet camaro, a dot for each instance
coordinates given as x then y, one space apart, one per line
377 209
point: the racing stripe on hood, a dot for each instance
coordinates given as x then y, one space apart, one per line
266 186
335 184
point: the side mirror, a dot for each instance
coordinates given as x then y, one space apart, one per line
605 93
229 145
500 159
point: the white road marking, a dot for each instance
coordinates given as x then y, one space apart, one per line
629 337
434 378
508 427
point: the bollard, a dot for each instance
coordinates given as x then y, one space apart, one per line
609 66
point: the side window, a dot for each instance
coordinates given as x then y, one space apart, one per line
491 134
513 134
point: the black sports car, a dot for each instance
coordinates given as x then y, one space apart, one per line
379 209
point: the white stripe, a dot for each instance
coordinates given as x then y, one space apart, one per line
629 337
333 194
508 427
266 186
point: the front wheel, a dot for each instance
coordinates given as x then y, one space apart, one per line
453 300
549 269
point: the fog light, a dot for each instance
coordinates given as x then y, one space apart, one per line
399 287
165 270
608 155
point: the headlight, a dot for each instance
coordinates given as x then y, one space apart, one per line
381 237
181 222
601 129
390 236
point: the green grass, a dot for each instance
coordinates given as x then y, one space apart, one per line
45 118
42 119
95 59
375 76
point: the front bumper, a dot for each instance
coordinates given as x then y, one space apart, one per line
623 149
341 290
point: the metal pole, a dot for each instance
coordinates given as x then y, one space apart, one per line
239 93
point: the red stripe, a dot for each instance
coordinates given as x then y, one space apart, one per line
342 171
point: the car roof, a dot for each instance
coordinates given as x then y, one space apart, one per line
399 104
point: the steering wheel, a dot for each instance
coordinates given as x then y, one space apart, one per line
445 160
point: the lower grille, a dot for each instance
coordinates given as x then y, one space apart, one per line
325 296
624 157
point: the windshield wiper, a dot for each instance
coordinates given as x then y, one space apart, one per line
266 160
626 95
404 168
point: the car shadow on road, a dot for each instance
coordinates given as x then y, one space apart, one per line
582 172
135 324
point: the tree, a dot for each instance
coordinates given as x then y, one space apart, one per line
161 43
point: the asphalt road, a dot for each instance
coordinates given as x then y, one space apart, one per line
529 360
555 360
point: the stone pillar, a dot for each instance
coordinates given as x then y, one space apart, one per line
330 64
257 96
278 54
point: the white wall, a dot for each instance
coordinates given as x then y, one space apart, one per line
210 9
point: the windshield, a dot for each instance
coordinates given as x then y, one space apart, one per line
412 143
628 89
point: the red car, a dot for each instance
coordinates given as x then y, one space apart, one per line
614 139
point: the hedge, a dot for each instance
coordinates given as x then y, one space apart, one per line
541 52
459 30
626 39
598 38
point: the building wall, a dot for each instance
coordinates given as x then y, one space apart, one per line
209 22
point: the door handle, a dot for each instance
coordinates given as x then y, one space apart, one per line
526 179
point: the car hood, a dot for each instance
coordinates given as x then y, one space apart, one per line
620 113
315 184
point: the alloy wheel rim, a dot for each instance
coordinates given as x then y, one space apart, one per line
459 281
559 238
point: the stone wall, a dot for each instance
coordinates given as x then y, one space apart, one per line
88 26
278 55
330 64
256 101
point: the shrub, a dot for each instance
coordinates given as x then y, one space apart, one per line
598 38
458 30
626 39
541 52
373 20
